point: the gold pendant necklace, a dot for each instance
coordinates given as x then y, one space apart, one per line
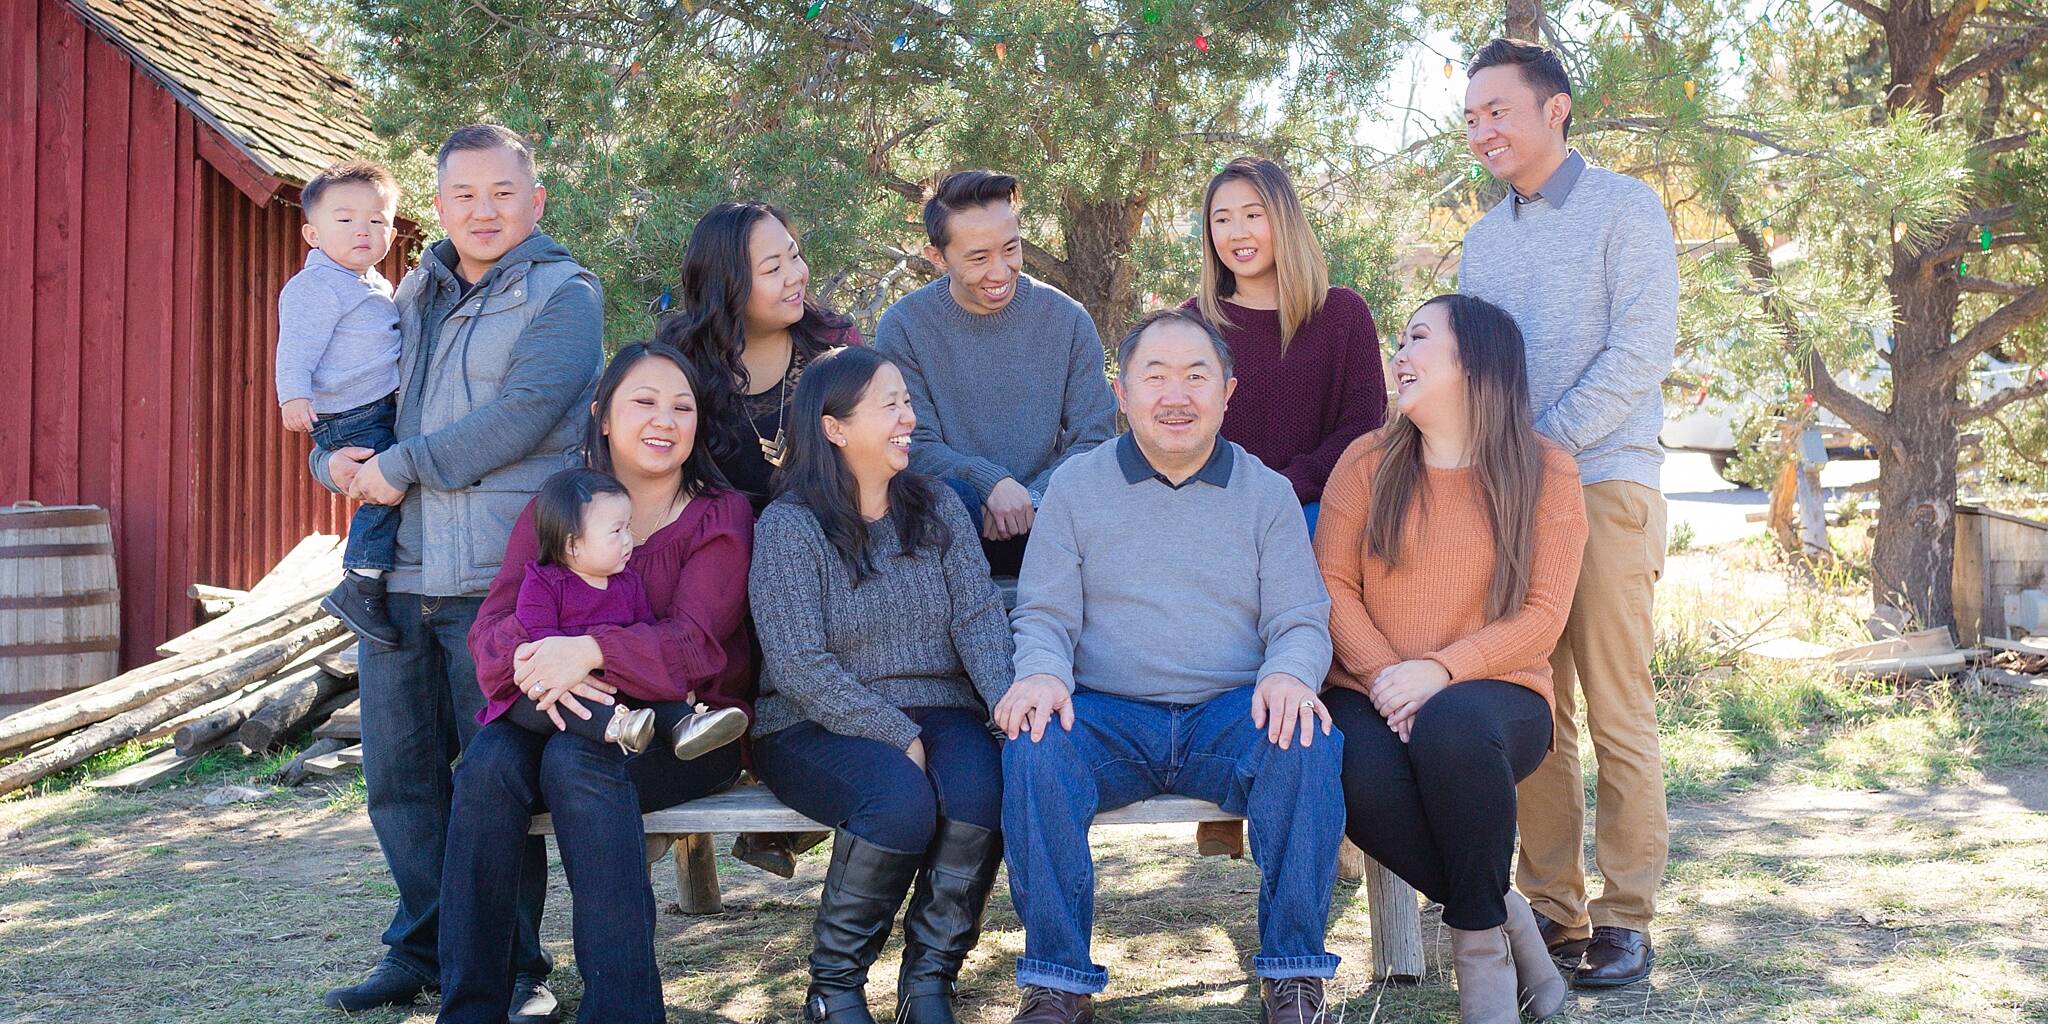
775 451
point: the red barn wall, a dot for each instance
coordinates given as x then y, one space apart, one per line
137 354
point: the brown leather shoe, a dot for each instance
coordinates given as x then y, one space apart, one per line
1292 1000
1616 957
1563 947
1220 839
1051 1006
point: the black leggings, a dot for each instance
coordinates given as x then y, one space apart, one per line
1439 810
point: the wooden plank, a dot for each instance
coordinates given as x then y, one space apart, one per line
58 259
2034 645
153 566
156 769
103 276
1396 926
755 809
341 663
18 109
343 760
345 724
2013 680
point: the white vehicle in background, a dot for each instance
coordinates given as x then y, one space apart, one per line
1709 425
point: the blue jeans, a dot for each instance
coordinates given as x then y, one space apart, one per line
1122 751
373 531
597 795
419 702
1311 512
872 789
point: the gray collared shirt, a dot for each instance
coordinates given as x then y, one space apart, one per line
1556 189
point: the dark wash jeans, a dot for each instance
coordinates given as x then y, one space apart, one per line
596 795
1122 751
1439 810
373 530
874 791
419 703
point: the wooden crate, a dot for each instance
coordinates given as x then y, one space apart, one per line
1997 553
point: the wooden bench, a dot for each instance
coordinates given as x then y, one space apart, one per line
688 827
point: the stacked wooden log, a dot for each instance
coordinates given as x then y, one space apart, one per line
269 665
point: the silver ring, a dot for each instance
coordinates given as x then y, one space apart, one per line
1309 703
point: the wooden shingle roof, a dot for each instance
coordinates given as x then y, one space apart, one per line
268 94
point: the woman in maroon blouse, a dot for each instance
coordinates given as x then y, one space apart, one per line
1310 379
695 539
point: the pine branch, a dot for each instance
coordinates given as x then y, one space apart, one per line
1991 287
1991 406
1662 124
1965 246
1993 57
2004 143
1870 421
1943 44
2030 306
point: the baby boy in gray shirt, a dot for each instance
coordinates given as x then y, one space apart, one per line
337 363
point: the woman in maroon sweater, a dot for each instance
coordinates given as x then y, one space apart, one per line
1310 379
695 538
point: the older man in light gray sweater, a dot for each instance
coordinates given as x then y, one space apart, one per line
1584 260
1171 619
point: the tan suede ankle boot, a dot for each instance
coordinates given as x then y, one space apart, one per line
1542 988
1486 977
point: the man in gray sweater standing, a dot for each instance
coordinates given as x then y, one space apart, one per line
1171 619
1585 260
1005 371
501 343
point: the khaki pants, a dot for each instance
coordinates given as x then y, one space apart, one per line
1605 651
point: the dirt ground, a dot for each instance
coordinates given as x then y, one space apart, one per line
1787 902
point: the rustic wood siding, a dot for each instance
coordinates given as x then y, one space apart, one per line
137 347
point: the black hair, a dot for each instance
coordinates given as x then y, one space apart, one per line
1540 66
709 326
1191 318
817 477
473 137
351 172
558 509
964 190
700 474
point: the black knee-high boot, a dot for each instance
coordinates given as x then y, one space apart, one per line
944 919
863 887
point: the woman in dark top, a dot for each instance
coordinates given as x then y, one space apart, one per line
748 325
883 644
695 537
1309 374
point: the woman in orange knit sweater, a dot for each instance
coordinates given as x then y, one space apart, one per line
1450 542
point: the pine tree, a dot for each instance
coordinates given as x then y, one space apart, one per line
1900 151
645 112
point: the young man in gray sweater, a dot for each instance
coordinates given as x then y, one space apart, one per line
1005 371
1585 260
1172 622
502 338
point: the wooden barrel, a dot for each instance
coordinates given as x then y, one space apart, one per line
60 605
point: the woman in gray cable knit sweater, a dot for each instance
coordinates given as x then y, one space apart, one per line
884 644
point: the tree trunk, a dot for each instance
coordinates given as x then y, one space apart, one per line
1525 20
1099 236
1912 557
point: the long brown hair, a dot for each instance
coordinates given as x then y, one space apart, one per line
1506 452
1303 274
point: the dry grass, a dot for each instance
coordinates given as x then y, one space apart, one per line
1868 853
